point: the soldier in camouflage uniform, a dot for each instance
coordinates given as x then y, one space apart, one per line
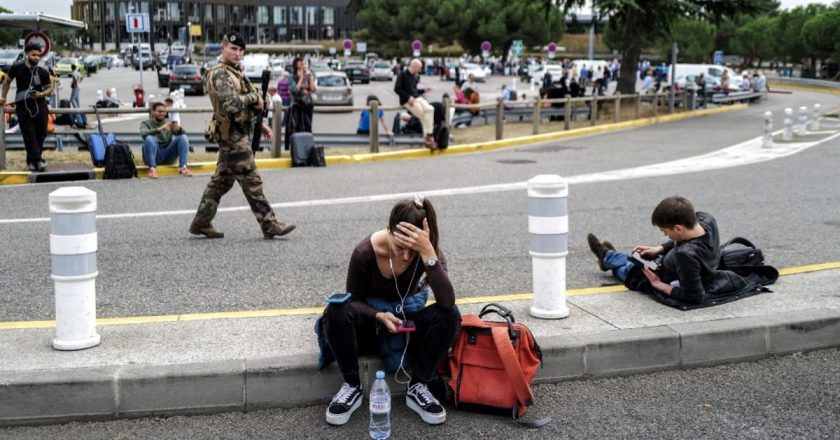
235 102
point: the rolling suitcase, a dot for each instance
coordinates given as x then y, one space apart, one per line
302 144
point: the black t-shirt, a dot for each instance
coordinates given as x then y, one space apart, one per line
23 76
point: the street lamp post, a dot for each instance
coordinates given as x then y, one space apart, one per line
189 38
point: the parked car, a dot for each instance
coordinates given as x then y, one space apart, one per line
319 66
212 50
62 67
357 70
475 70
187 77
254 64
276 67
9 57
149 61
93 63
333 89
382 70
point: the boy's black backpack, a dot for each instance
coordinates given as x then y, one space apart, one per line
740 252
119 162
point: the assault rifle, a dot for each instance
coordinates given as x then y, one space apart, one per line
255 141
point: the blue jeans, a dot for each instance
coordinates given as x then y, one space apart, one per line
619 264
74 98
178 148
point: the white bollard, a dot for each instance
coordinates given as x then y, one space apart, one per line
768 130
548 225
802 127
99 95
73 245
815 121
787 134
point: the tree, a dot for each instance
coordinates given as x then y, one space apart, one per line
8 37
502 21
695 40
789 43
643 22
754 40
820 35
391 25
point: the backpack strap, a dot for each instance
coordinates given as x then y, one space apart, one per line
524 395
739 240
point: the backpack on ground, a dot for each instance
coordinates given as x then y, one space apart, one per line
119 162
493 364
98 143
740 252
316 157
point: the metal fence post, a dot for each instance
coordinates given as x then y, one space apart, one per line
685 100
656 104
2 137
548 226
638 105
536 117
374 126
593 110
73 245
617 110
567 113
500 118
276 127
447 104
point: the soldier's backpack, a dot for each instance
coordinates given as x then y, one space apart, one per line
119 161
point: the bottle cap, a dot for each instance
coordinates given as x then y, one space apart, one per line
380 374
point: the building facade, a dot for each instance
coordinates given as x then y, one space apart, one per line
259 21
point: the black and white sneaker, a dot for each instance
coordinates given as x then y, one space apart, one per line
420 399
347 400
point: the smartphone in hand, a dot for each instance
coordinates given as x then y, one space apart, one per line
406 326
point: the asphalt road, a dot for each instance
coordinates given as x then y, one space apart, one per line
794 397
150 265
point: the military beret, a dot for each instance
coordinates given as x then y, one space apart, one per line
234 37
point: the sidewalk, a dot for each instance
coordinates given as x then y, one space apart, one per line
236 364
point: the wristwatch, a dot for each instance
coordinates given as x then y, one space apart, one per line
431 262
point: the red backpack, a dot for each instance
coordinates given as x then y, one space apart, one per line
493 364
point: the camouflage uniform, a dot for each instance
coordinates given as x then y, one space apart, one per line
233 98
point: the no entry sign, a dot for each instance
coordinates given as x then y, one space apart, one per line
38 38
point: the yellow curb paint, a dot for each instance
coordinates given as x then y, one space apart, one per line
17 325
16 178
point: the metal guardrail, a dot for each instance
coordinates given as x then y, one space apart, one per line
807 81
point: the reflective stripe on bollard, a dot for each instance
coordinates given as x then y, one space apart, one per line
73 245
548 225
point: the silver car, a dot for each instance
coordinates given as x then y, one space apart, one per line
333 89
382 70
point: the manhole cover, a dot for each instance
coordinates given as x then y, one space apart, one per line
515 161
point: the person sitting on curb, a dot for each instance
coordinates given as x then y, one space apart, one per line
364 119
163 142
390 274
687 272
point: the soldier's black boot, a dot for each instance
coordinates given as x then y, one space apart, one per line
208 231
278 229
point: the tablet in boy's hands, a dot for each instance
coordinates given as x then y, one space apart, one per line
638 259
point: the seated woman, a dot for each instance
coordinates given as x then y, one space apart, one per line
460 97
389 278
364 119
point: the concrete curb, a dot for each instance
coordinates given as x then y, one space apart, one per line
804 88
19 177
53 396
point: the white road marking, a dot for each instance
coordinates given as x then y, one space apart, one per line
745 153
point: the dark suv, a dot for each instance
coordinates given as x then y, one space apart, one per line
357 71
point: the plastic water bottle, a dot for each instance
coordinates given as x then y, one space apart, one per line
380 408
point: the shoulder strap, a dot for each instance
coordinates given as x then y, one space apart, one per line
524 395
739 240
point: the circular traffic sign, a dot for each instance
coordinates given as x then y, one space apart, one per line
485 46
552 47
348 44
416 45
39 38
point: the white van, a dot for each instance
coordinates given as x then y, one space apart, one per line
254 64
686 74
